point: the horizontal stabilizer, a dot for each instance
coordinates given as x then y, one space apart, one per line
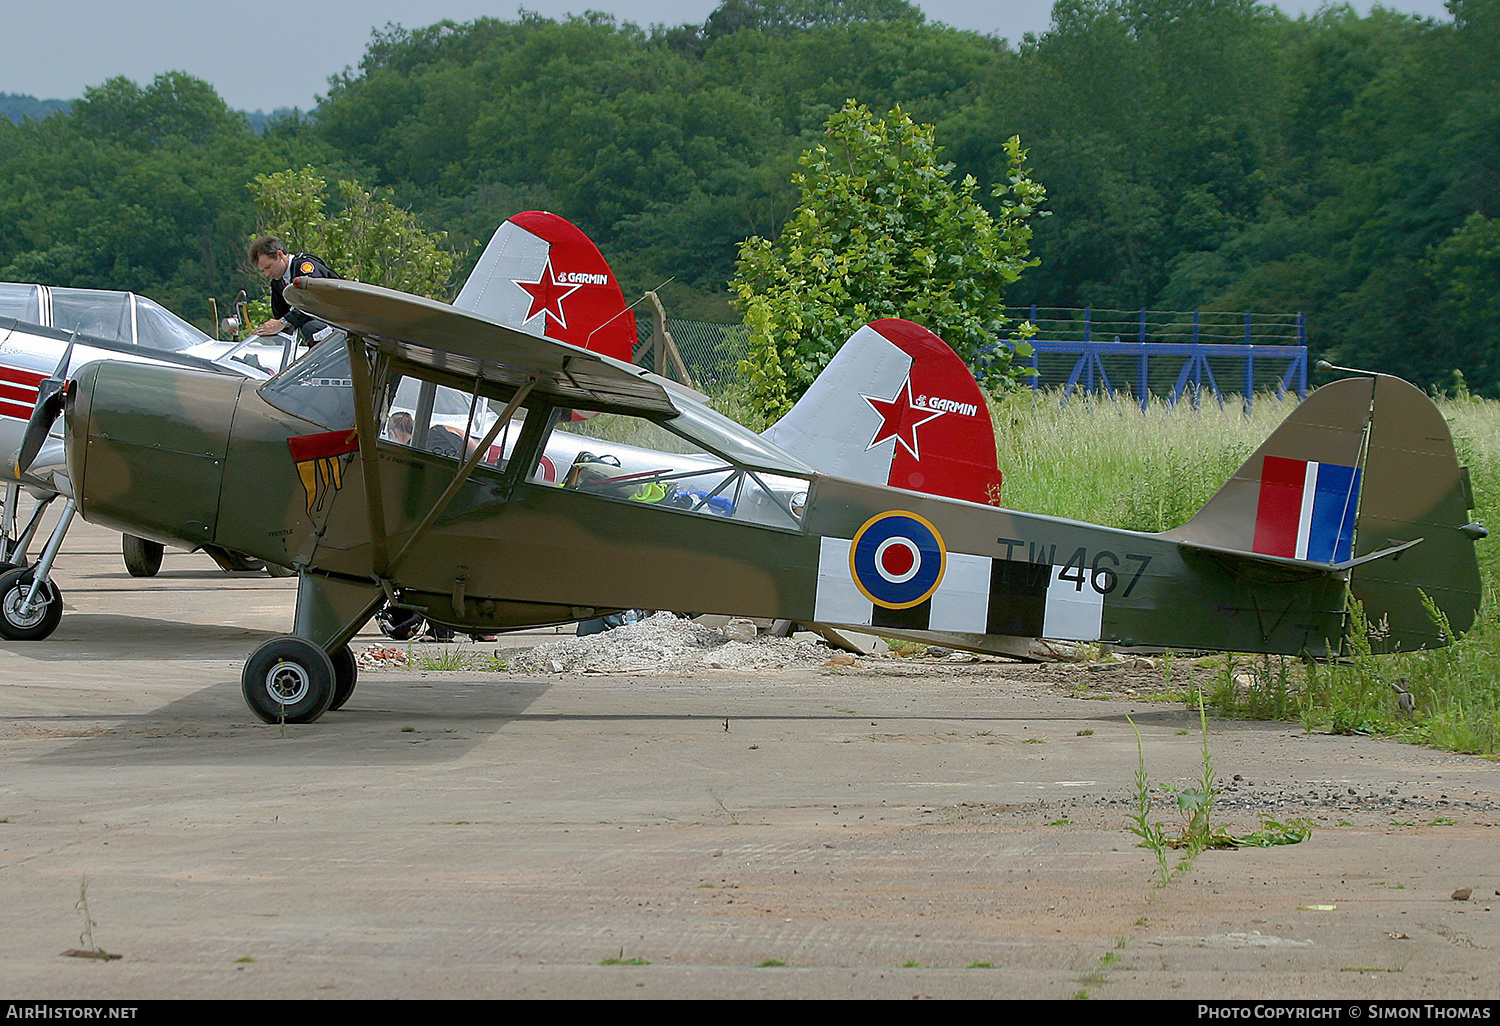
1256 565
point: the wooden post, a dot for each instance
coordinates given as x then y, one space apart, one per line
664 348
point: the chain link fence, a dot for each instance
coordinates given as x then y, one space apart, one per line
710 352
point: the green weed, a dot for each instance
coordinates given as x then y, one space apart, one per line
620 959
1197 831
455 657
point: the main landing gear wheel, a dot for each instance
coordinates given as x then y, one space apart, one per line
288 679
345 672
142 556
18 623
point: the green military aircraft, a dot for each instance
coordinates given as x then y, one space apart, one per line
1358 494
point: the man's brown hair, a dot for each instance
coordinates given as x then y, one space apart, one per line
268 246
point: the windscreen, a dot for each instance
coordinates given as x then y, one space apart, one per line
317 387
23 302
93 312
159 328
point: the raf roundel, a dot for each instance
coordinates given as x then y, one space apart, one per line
897 560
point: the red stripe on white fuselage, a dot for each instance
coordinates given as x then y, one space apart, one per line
18 387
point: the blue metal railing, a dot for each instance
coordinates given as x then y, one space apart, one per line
1168 356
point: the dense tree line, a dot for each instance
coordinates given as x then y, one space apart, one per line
1206 154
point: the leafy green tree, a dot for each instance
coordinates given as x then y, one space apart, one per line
136 188
784 17
1466 269
881 231
175 106
366 238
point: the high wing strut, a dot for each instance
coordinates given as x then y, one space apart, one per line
369 458
463 475
383 566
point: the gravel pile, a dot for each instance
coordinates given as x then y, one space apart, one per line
665 643
1283 799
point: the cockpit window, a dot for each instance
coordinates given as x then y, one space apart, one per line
159 328
23 302
94 312
446 421
640 460
116 316
317 388
717 433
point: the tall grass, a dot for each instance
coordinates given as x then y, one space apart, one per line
1114 464
1151 470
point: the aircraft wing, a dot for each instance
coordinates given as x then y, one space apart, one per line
427 333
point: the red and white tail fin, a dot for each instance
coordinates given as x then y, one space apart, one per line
541 273
896 406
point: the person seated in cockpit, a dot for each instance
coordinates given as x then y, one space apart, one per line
398 428
441 439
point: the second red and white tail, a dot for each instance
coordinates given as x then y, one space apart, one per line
541 273
896 406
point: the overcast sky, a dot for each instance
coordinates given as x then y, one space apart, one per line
261 56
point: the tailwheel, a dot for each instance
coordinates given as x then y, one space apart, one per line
345 671
288 679
22 622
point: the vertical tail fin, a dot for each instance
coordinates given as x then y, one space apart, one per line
1362 478
896 406
542 274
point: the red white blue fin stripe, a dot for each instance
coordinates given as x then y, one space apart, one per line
1306 510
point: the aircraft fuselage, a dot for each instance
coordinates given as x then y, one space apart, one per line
195 458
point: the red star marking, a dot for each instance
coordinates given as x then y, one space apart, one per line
547 294
899 419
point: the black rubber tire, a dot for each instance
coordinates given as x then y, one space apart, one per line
41 622
142 556
345 674
288 679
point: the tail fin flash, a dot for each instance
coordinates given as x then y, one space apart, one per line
897 406
542 274
1361 479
